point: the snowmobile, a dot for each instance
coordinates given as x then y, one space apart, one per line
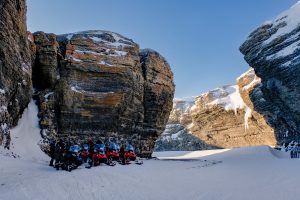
74 159
113 152
130 155
100 156
85 154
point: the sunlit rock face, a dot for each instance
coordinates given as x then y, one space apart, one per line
15 66
100 85
221 118
273 51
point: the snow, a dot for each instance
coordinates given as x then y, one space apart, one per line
227 174
184 105
248 114
3 109
47 95
4 126
69 36
249 74
30 38
187 99
291 17
119 53
2 91
254 82
26 136
114 54
286 51
105 63
76 59
250 71
75 89
232 101
291 20
244 173
88 52
25 67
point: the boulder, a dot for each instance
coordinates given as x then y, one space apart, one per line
101 86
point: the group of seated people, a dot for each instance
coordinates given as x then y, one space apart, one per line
70 156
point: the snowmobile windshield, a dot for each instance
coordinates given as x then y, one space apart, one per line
129 148
113 146
86 147
100 147
74 148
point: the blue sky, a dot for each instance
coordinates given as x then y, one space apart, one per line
199 38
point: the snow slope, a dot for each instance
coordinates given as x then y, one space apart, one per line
245 173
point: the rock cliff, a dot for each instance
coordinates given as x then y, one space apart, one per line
15 66
88 85
221 118
273 51
99 84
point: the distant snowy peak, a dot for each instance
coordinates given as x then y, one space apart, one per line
227 97
185 106
182 110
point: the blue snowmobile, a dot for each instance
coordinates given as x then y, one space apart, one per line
74 159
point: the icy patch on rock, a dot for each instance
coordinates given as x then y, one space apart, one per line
103 62
248 113
286 51
47 95
3 109
75 89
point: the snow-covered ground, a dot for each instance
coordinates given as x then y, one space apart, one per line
244 173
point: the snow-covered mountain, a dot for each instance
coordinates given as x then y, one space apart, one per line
223 117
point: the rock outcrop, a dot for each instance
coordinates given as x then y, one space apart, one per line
98 84
273 51
221 118
15 66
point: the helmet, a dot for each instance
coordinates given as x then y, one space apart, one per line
74 148
129 148
86 147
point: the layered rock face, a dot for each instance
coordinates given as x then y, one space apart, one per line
15 65
221 118
98 84
273 51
